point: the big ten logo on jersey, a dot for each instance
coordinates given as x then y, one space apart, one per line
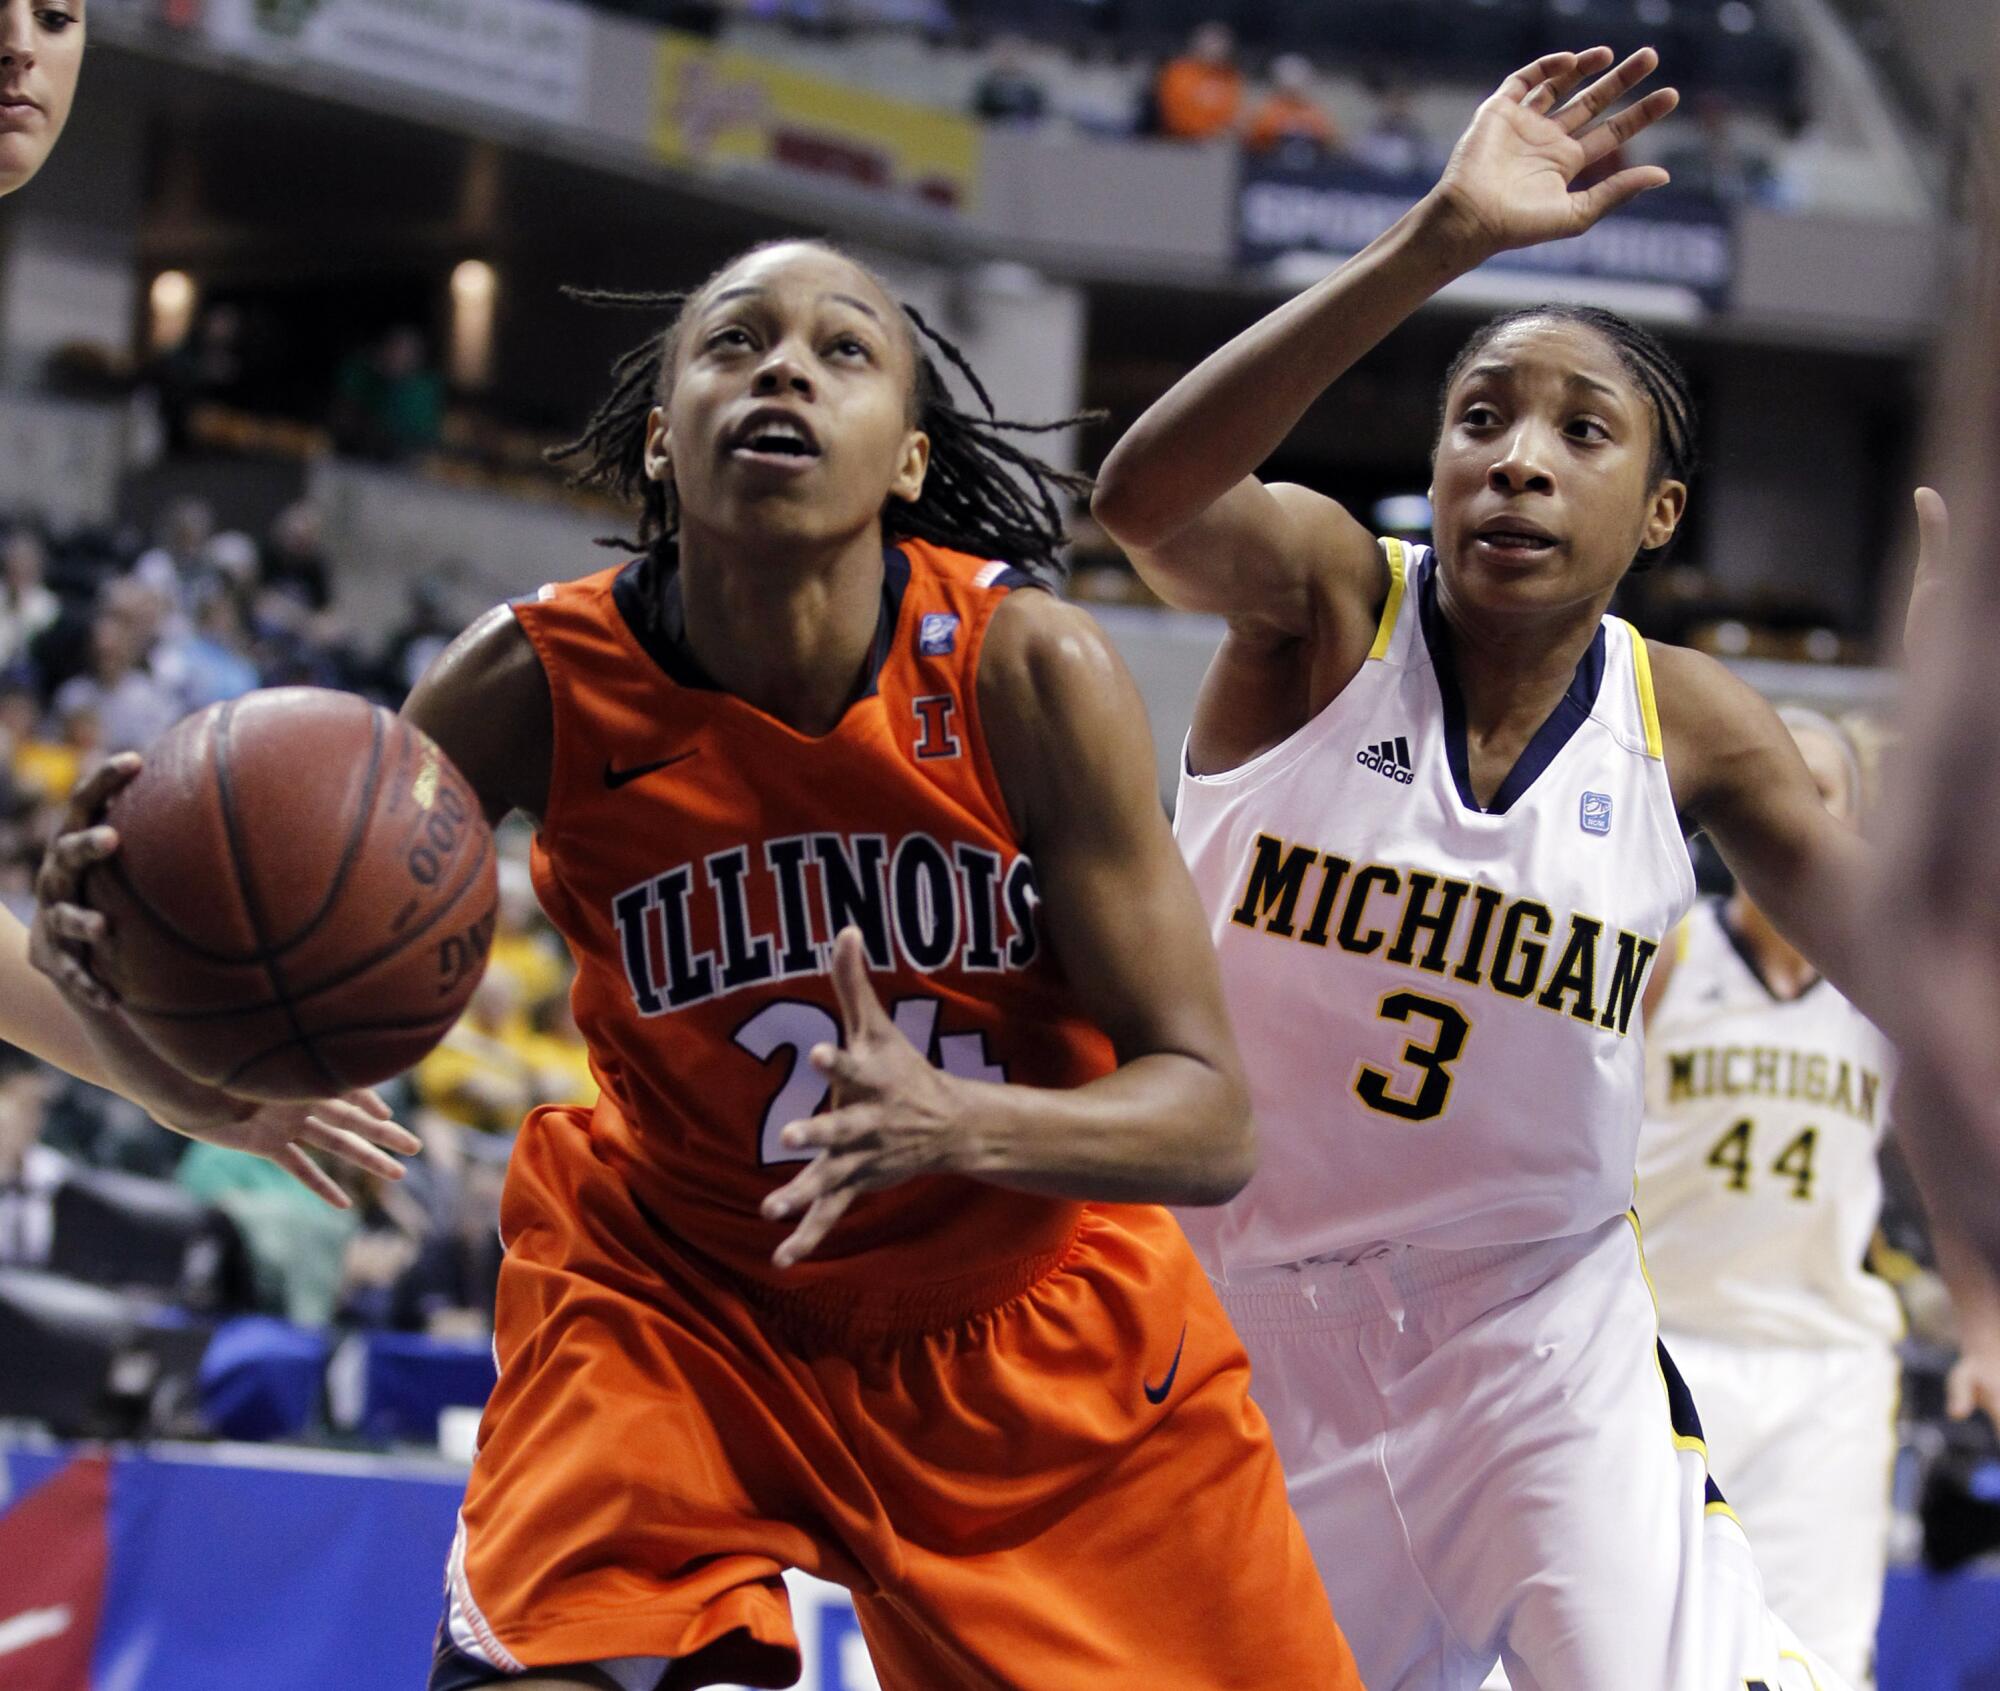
769 912
935 736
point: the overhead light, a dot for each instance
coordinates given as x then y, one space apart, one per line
474 287
171 300
474 280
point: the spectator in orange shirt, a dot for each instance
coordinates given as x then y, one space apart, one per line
1200 93
1289 125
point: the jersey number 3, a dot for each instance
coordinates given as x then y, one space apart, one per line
1377 1088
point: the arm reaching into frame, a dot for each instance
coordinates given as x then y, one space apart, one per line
53 1006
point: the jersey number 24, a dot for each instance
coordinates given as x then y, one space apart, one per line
795 1026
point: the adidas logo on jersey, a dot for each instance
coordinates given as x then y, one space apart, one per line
1390 758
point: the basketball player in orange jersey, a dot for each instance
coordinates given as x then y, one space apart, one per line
833 813
41 56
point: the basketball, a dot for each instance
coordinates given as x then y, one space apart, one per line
303 896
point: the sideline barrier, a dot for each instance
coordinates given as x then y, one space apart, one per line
213 1567
203 1567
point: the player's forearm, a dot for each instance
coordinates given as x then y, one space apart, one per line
37 1017
1975 1293
1163 1129
99 1048
1219 422
124 1063
1816 897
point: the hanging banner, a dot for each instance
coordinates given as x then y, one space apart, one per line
719 106
1669 242
530 57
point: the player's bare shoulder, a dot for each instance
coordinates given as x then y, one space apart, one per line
1053 695
486 701
1038 644
1340 563
1715 729
1273 673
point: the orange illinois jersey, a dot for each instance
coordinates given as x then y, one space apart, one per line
699 856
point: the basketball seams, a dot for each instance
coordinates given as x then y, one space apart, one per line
357 833
173 930
302 995
263 953
403 940
443 1025
273 838
246 890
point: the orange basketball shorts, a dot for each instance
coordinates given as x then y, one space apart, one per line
1068 1488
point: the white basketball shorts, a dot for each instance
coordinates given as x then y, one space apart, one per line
1493 1458
1802 1443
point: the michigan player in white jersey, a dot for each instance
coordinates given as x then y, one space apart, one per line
1767 1097
1437 980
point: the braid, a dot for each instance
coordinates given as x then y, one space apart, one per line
1653 369
611 451
983 494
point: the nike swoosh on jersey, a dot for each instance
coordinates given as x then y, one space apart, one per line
1158 1394
616 778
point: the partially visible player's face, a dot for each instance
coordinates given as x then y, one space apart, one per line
41 52
1829 771
1542 482
789 417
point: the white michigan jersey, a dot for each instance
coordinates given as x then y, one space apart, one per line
1758 1184
1439 1002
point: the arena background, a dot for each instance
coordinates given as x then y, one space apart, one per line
281 345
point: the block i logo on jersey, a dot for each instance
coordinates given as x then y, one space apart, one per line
1389 757
1593 813
937 634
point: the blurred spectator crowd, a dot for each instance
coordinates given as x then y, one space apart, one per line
105 640
1730 46
1257 71
1210 91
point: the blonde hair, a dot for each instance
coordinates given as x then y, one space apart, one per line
1804 719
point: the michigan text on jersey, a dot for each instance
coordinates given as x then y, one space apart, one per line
1771 1071
1445 926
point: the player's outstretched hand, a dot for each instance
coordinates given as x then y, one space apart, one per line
1923 621
893 1115
1974 1383
66 931
357 1128
1508 182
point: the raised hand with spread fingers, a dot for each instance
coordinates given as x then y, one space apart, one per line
1509 181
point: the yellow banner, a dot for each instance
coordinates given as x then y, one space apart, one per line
723 106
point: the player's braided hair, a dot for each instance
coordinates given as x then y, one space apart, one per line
983 494
1654 371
